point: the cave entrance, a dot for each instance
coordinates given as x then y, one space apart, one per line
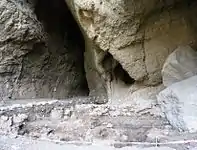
115 70
65 46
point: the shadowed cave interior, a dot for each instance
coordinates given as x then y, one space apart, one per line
55 68
61 56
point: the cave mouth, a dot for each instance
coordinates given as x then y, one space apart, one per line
122 75
65 39
116 71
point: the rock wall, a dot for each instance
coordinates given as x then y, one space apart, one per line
41 51
138 34
125 43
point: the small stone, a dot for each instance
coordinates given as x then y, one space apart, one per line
19 118
66 117
51 131
57 114
4 118
124 138
67 112
168 127
23 132
35 134
103 133
10 121
109 125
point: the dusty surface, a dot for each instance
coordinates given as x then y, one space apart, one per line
7 143
71 122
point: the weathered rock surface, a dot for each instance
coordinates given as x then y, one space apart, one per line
119 56
143 100
20 31
132 36
79 124
38 55
70 121
180 65
125 44
178 102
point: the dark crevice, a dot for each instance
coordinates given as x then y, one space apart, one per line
115 71
122 75
65 40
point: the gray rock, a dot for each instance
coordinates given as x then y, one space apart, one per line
57 114
19 118
115 37
36 63
179 103
7 143
144 100
180 65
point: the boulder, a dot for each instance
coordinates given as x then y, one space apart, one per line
179 104
144 100
181 64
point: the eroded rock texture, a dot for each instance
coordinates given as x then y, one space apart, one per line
178 102
41 50
138 35
125 42
180 65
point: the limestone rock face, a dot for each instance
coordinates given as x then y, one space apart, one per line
178 102
180 65
37 60
20 31
137 35
124 45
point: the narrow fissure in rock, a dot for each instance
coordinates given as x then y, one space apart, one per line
66 41
54 68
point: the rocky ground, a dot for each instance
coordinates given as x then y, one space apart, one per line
137 56
7 143
72 122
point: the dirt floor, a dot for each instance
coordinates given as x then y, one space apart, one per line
71 124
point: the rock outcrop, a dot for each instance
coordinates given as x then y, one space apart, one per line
178 102
135 35
180 65
41 53
123 45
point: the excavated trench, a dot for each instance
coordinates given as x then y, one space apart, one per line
55 69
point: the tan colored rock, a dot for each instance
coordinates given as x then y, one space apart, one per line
180 65
137 35
126 42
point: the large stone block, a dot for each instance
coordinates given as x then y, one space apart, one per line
179 104
180 65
